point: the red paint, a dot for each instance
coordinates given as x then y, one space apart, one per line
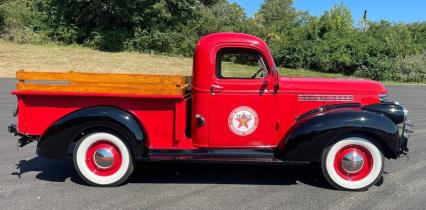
165 117
38 112
90 162
363 172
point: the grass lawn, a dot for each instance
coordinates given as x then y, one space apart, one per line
75 58
66 58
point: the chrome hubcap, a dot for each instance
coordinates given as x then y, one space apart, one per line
352 162
104 158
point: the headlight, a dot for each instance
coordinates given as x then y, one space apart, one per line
405 111
397 113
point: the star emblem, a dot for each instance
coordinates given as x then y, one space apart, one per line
243 120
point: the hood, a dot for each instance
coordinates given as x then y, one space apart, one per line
327 85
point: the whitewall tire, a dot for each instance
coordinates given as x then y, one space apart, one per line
353 163
102 159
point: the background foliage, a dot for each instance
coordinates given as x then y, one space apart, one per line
333 42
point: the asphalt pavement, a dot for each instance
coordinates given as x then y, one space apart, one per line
31 182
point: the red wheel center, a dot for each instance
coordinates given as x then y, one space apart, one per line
103 158
353 162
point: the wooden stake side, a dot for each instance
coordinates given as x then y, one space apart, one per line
102 83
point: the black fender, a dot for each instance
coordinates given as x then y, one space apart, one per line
310 136
55 142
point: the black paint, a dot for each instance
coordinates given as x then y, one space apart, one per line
311 135
55 141
390 109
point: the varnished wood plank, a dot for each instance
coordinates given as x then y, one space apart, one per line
146 89
102 83
129 85
78 77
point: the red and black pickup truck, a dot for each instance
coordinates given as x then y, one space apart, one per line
236 108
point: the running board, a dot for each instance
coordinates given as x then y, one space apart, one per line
221 156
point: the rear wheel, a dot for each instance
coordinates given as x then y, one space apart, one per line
353 163
103 159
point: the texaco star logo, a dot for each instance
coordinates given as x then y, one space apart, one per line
243 121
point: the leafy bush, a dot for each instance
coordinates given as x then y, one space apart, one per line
378 68
64 34
405 69
107 40
23 20
160 42
412 68
2 18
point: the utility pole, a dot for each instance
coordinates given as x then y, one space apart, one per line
364 23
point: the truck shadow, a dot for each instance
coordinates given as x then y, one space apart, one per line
213 173
49 170
186 173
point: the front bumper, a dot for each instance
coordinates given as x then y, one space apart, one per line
404 137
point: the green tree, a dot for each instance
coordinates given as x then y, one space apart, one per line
108 25
219 17
23 20
379 50
335 50
278 21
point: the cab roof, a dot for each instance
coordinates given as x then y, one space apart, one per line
212 39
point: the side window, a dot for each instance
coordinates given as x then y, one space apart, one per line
240 64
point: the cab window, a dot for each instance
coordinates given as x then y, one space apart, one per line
240 64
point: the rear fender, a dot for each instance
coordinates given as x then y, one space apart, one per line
311 135
54 143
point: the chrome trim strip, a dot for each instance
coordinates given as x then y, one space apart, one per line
345 98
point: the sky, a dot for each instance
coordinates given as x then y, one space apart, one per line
406 11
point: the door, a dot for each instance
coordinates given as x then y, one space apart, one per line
243 110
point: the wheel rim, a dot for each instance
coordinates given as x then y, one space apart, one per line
353 162
103 158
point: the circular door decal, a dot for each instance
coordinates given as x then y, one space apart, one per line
243 121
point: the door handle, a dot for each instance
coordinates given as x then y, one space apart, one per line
216 89
264 90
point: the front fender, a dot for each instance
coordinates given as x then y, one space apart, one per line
54 143
311 135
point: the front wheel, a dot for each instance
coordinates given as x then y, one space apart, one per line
352 163
102 159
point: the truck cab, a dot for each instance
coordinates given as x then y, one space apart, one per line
236 108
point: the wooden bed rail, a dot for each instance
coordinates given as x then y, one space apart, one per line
138 84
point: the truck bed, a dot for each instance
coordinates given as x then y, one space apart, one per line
159 102
102 83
